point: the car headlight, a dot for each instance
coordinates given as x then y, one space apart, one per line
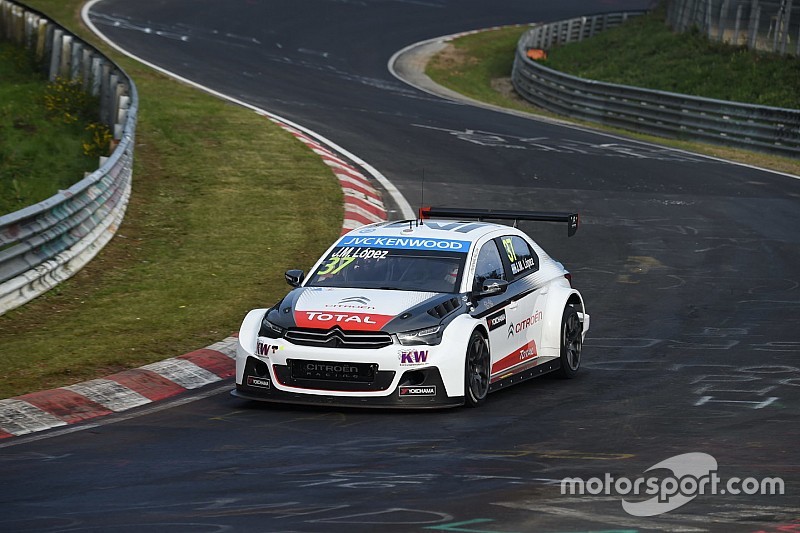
271 330
429 336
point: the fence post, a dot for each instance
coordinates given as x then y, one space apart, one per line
797 52
787 16
688 11
723 20
737 25
755 14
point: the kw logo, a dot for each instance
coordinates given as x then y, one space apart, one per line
263 348
413 357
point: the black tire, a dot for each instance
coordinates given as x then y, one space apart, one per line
477 370
571 343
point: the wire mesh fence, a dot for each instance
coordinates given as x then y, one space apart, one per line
766 25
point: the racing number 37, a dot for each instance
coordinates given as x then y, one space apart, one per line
335 265
509 246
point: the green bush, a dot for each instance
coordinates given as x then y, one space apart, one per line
44 142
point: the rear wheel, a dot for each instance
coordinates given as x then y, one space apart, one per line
571 342
477 370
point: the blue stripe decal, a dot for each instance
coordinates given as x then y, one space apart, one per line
405 243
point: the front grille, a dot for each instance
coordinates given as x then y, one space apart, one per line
338 338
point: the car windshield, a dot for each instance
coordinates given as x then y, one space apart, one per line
401 269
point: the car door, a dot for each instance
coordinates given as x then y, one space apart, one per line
523 312
492 309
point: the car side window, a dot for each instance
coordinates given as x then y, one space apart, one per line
523 260
489 265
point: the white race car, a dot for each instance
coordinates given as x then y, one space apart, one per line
417 313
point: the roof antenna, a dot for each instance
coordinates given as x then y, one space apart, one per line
421 198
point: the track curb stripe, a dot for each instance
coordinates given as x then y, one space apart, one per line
118 392
149 384
67 405
18 417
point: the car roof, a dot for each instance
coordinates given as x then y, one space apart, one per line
467 230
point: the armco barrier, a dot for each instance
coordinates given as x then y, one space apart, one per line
767 129
43 244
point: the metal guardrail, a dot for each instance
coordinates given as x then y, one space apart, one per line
43 244
770 25
767 129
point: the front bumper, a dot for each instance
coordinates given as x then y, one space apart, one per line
392 375
417 388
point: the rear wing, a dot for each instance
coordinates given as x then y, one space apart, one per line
571 219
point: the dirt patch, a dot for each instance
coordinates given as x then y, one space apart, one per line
506 88
453 58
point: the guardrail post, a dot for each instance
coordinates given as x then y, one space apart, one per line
28 30
55 54
111 97
66 56
86 70
119 89
97 76
105 72
75 61
19 27
41 39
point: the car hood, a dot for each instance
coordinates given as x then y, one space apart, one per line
363 309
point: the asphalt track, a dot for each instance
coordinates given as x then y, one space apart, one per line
689 267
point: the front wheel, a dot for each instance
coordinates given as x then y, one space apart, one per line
477 370
571 342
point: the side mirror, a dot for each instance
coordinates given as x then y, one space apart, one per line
492 286
294 277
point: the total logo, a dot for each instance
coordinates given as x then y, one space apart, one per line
315 316
413 357
347 321
527 352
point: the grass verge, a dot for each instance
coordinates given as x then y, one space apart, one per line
219 210
40 151
644 52
479 66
